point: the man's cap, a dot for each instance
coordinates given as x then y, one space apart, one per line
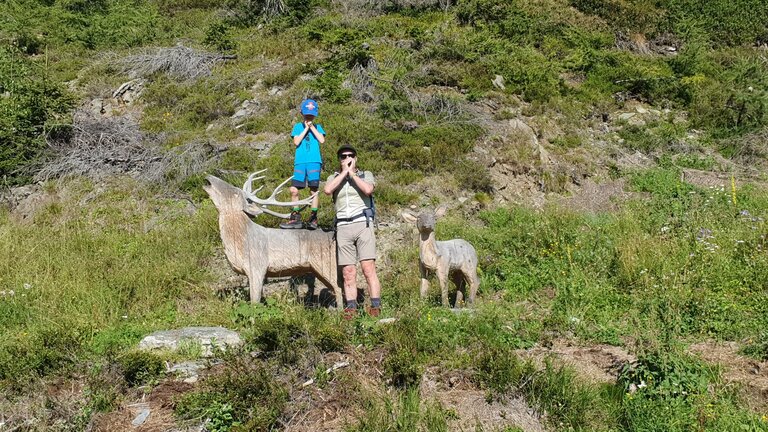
309 107
345 147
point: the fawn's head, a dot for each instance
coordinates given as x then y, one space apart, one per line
426 220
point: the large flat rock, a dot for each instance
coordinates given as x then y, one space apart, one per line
207 337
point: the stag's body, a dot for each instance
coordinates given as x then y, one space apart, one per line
455 259
256 251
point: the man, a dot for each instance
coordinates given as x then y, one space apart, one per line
352 191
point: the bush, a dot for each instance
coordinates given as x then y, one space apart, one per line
29 105
244 397
141 367
219 37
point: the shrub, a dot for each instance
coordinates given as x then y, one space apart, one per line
219 37
244 397
140 367
29 105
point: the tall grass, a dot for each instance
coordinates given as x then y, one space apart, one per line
100 276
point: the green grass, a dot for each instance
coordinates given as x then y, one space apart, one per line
104 265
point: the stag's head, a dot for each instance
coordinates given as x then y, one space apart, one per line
228 198
426 220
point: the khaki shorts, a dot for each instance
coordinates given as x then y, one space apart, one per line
355 242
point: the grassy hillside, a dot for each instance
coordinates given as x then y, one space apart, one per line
659 98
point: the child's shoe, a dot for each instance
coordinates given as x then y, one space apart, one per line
294 221
312 224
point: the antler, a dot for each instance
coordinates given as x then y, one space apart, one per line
250 194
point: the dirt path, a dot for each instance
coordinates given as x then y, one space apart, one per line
596 363
751 375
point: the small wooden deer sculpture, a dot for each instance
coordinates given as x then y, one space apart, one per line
256 251
455 258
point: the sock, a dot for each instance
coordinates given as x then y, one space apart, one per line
351 304
314 210
375 302
296 209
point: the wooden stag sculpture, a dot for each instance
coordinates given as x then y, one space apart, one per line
256 251
456 259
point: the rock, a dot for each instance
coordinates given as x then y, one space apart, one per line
641 110
141 418
462 200
187 369
498 82
274 91
128 92
387 320
30 205
409 125
626 116
240 113
96 107
207 337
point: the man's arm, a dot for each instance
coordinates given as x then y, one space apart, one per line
364 186
331 186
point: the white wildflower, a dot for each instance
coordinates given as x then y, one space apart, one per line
27 286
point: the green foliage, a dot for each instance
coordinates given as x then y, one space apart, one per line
758 348
135 280
243 397
291 338
27 355
219 37
403 411
247 13
722 22
665 375
141 367
31 107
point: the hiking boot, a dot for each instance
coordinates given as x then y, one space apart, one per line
374 312
349 314
312 224
294 221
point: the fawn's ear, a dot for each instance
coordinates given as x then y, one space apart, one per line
440 212
408 217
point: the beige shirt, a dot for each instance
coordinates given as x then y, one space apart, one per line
349 200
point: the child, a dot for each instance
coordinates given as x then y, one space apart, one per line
307 163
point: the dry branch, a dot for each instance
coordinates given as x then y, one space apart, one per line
179 62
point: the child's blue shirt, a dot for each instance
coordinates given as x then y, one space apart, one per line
309 149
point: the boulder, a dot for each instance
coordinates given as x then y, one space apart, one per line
207 337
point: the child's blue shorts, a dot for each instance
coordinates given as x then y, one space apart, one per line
306 174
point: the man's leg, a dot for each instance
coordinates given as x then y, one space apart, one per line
369 271
350 291
374 288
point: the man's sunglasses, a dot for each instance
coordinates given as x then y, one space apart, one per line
346 155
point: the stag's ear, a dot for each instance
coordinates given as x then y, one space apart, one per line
440 212
408 217
252 209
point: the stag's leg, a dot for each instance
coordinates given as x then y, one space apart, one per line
424 281
331 281
442 277
256 283
458 280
